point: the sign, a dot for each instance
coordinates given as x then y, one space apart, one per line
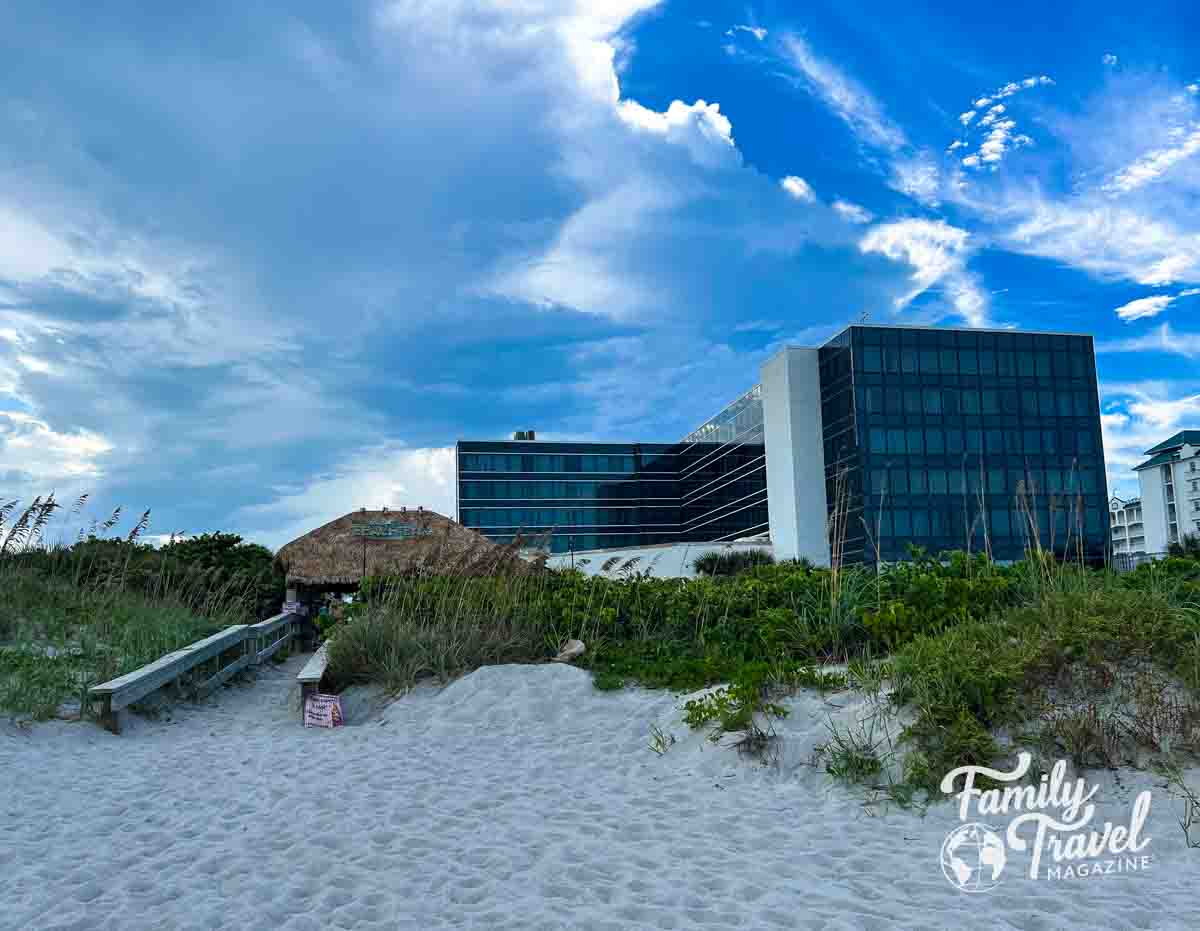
389 530
294 607
323 711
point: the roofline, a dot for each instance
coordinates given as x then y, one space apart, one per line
952 329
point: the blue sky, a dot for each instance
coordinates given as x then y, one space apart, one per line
259 267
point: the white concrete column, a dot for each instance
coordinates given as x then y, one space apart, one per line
796 506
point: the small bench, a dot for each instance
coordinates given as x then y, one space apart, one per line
310 676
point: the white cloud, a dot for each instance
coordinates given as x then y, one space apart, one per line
798 188
1103 239
917 177
389 476
701 128
30 446
757 31
1109 58
852 103
1139 416
1193 88
852 212
1144 307
1154 164
998 138
1160 339
937 253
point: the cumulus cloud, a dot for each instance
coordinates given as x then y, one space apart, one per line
1109 58
389 475
937 253
798 188
996 131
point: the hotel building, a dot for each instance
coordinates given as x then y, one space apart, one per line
1170 485
883 437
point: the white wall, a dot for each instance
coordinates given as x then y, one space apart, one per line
671 561
796 506
1154 514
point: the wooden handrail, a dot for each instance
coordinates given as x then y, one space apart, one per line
228 652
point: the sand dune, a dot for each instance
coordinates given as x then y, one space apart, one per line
518 797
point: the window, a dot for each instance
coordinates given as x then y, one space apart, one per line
933 441
933 401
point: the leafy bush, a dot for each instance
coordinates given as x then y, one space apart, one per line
731 562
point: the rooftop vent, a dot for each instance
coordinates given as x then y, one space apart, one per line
524 435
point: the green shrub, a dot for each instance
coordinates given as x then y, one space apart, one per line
731 562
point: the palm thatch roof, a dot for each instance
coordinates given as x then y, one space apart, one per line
402 542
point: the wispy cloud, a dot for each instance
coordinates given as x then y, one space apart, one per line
757 31
1153 165
852 212
1161 339
1144 307
848 99
1151 306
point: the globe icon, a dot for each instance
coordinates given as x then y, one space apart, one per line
973 857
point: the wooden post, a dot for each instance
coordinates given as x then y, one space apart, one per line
109 719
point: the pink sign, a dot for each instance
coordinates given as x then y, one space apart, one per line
323 711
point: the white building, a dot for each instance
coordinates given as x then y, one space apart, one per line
1170 484
1128 528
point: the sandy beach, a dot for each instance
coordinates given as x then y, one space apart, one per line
518 797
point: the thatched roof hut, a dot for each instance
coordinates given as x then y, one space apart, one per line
387 542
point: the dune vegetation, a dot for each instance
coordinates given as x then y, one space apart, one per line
79 613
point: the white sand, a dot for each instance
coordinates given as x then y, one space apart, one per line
518 797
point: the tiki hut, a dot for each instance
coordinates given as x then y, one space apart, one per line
337 556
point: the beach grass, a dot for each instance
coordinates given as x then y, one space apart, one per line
74 615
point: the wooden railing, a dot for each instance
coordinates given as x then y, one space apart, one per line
211 661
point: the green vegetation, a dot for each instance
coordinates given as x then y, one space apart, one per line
718 562
979 655
73 616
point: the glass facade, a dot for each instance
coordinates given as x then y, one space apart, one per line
947 439
711 486
961 439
